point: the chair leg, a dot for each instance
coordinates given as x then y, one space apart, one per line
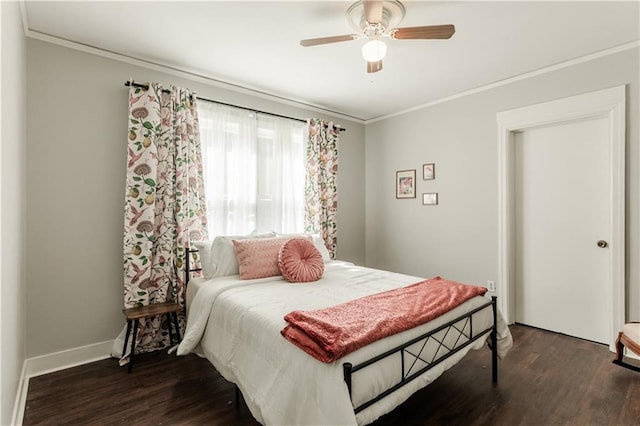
619 348
620 353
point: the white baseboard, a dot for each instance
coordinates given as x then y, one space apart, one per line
56 361
21 398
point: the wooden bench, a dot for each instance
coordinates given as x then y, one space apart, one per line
134 315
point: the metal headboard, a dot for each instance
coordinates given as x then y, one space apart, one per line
188 269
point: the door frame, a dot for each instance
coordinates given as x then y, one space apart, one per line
608 103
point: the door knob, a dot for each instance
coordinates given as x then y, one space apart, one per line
602 243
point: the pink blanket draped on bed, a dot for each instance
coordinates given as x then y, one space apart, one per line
329 334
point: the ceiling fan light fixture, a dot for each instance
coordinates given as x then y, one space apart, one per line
373 19
374 50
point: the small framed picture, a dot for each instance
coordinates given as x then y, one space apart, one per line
430 199
406 184
429 171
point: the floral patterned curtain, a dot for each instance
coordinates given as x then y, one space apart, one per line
321 193
164 203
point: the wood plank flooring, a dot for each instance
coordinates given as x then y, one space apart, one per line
546 379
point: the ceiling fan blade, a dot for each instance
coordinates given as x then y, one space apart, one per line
325 40
428 32
374 66
372 11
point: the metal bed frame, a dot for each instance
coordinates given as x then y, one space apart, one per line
454 329
409 358
187 267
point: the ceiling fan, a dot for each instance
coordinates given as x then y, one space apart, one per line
373 19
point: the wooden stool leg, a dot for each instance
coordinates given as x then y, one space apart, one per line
126 338
133 343
177 325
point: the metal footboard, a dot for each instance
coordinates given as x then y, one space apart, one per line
459 329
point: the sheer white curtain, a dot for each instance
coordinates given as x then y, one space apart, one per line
254 170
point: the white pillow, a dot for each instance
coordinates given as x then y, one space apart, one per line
322 248
204 251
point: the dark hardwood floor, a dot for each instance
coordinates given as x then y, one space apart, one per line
547 379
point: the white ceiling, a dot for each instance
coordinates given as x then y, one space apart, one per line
256 44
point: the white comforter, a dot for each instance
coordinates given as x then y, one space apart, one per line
236 324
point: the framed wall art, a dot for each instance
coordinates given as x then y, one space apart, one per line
406 184
428 171
430 199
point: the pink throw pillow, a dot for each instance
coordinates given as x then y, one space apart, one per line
300 261
258 257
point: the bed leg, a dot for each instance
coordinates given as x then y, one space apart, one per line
494 341
346 369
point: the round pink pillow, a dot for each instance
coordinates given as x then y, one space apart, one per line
300 261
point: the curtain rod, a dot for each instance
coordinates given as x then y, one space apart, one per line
146 87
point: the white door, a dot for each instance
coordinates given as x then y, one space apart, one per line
561 210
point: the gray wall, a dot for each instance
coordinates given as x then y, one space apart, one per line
76 154
459 238
12 226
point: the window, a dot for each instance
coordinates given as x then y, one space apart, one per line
254 170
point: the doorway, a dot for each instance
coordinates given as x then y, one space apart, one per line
561 219
602 111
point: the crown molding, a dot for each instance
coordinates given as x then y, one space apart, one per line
299 103
545 70
182 72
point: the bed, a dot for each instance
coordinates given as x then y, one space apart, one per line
236 324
